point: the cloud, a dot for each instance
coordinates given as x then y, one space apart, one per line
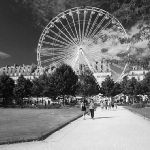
4 55
141 44
133 30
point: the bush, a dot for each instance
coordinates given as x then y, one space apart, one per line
138 105
51 106
147 105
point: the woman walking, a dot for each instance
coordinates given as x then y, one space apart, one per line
91 108
83 108
102 105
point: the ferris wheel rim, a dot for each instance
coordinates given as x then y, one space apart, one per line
66 13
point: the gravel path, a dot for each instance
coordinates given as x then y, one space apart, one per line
110 130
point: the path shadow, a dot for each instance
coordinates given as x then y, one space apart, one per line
105 117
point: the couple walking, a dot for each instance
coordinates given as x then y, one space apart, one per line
91 108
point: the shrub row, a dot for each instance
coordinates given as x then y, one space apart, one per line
138 105
52 106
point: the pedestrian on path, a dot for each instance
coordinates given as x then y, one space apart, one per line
102 105
115 105
83 108
105 103
91 108
109 105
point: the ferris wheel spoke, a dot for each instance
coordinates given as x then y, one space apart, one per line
78 12
94 23
70 13
70 61
99 25
55 54
64 34
55 57
58 35
96 36
52 44
56 40
63 59
68 33
87 61
52 59
70 27
54 49
85 12
87 28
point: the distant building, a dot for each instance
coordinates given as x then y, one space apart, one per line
101 70
139 74
136 72
102 76
28 71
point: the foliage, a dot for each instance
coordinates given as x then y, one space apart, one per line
138 105
133 87
87 84
23 88
146 84
43 84
42 11
123 85
6 87
116 89
64 80
36 87
107 87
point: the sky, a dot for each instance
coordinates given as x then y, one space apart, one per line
18 39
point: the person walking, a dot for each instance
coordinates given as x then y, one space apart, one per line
83 108
91 108
102 105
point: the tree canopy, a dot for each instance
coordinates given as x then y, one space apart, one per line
87 84
42 11
107 87
65 80
6 87
23 87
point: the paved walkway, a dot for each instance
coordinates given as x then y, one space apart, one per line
110 130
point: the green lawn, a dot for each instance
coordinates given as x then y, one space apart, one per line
19 124
143 111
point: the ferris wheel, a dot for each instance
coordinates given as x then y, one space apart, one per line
88 36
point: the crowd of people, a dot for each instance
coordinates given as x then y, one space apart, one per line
108 105
104 104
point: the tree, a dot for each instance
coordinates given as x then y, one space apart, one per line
36 87
116 89
42 11
65 80
133 88
123 85
23 88
6 88
43 84
107 87
87 84
146 85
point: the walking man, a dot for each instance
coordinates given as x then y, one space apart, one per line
91 108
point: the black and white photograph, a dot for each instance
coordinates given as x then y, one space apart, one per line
74 74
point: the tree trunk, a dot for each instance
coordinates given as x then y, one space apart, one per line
4 102
63 101
133 99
